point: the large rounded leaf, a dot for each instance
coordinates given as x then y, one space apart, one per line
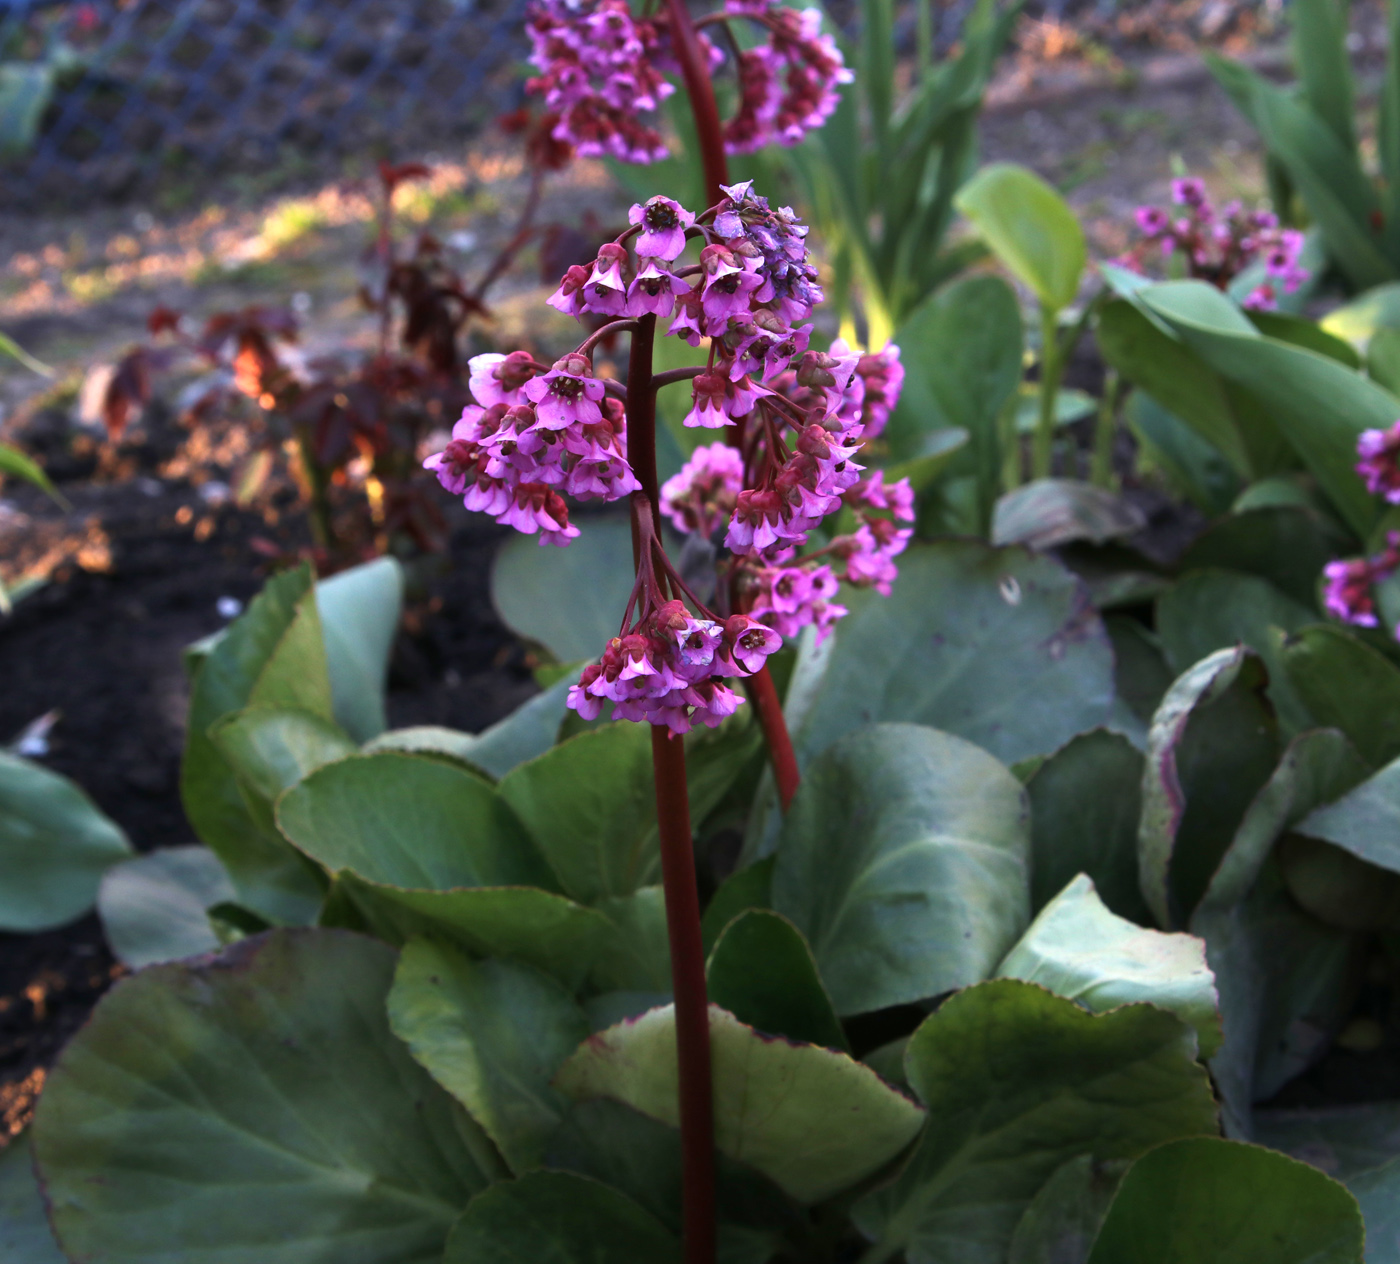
569 600
1365 821
558 1218
1346 684
1287 545
1078 949
1212 745
154 908
25 1236
55 845
1060 1225
1086 800
1018 1082
360 610
994 645
812 1119
492 1033
1206 1201
904 861
251 1106
1029 227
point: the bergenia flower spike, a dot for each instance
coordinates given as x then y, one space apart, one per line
601 70
1217 245
1379 465
1349 585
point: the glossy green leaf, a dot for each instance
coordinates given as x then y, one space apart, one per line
1077 948
1303 333
812 1119
906 656
1070 405
270 750
905 862
1347 685
1203 1200
529 730
155 907
55 845
1063 1220
360 610
1018 1082
1140 674
763 972
254 1106
1194 468
1318 405
1324 65
748 888
1086 800
1285 545
1030 228
1213 743
272 656
492 1033
558 1218
569 600
25 1236
1049 512
1372 310
1377 1192
636 955
1206 611
590 806
1280 973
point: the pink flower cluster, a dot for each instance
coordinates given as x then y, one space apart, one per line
601 67
787 87
533 433
702 496
1217 245
1348 590
1379 451
598 70
670 668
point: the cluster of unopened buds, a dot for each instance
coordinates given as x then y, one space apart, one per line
1217 245
794 419
1349 584
601 68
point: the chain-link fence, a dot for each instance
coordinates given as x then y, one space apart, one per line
108 97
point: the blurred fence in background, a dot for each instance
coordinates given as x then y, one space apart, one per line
103 98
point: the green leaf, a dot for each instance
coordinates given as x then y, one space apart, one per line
423 846
271 750
1063 1220
1194 468
636 956
1049 512
1324 65
906 657
749 888
272 656
1383 359
1202 1200
55 845
529 730
25 1236
1343 1141
492 1033
154 907
1141 674
1347 685
1018 1082
1304 333
1070 405
569 600
1086 800
1318 405
13 461
763 972
1285 545
26 89
1280 973
905 862
1358 321
590 806
961 350
1365 821
1078 949
1030 228
1212 745
1209 610
360 611
813 1120
558 1218
254 1106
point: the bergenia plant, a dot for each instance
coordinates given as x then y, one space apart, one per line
1217 244
793 420
1349 584
601 70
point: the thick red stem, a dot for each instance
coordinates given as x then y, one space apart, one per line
763 693
677 858
702 98
692 1007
